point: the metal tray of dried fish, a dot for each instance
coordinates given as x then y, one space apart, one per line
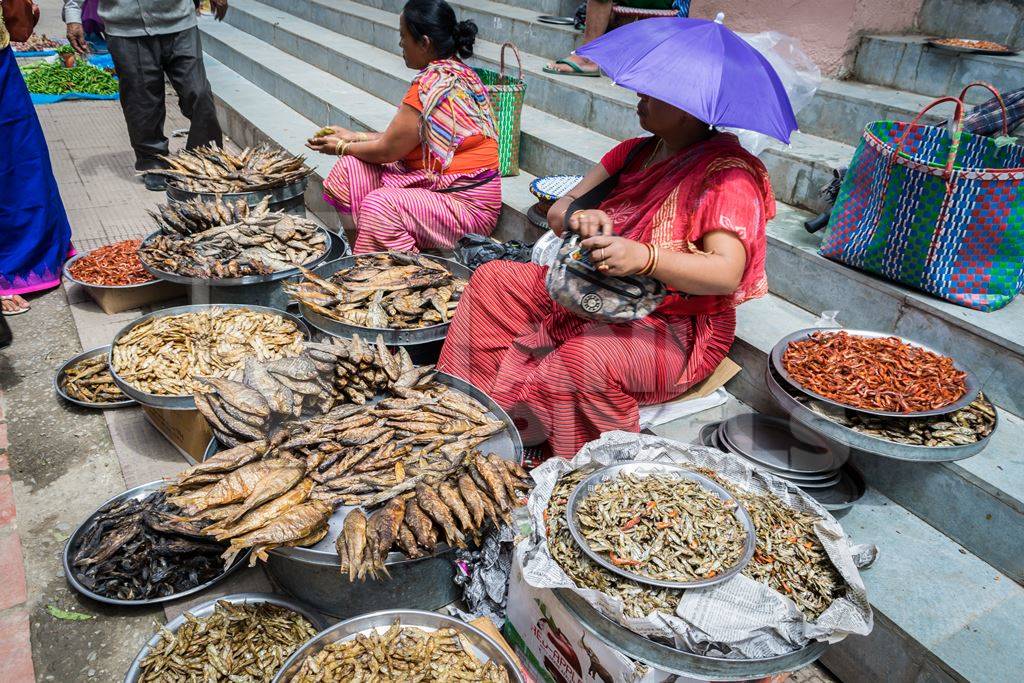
69 277
206 609
73 542
58 380
679 662
313 574
784 395
481 645
286 194
972 385
392 337
644 469
184 402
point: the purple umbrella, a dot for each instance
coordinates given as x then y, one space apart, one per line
699 66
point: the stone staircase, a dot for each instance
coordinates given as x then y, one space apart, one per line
947 586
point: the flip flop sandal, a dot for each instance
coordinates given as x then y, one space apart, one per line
17 312
577 70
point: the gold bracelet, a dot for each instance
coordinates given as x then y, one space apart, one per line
654 266
342 147
650 260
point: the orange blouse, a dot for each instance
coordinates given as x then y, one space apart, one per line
476 152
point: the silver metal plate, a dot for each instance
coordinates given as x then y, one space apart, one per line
207 608
722 443
68 276
973 386
970 50
58 380
481 645
773 443
277 195
179 401
844 494
73 542
645 469
866 442
392 337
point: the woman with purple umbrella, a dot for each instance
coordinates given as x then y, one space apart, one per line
689 209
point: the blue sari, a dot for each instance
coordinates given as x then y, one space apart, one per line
35 237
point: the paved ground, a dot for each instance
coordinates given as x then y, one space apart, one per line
65 461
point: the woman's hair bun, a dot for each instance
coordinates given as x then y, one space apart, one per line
465 36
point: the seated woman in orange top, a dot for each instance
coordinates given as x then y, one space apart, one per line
432 176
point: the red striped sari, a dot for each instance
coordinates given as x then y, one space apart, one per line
565 379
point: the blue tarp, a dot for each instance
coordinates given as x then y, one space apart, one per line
37 53
38 98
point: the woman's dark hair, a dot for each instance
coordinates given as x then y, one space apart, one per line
435 19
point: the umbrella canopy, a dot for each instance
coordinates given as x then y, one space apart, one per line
699 66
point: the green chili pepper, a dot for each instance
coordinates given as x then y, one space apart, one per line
53 78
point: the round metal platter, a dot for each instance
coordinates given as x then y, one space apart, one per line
842 495
585 487
392 337
771 442
70 277
277 195
537 217
971 381
795 477
707 435
207 608
58 380
506 444
235 281
182 402
1005 52
866 442
557 21
481 645
679 662
137 493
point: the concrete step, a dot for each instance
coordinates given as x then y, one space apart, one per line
304 30
959 610
499 22
841 109
906 63
1001 21
558 8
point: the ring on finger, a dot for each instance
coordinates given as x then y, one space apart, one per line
600 254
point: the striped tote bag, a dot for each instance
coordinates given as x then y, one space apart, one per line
934 208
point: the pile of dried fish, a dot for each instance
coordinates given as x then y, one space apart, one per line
166 354
89 381
460 500
384 291
261 244
965 426
662 526
402 653
212 169
194 216
789 557
140 549
638 600
243 642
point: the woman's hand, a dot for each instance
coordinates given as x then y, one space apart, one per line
616 255
324 145
590 222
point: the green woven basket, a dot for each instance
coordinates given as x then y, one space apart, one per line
506 94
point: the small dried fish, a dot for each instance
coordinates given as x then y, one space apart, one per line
238 642
89 381
394 291
166 354
402 653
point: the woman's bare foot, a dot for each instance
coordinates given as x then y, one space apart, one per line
14 304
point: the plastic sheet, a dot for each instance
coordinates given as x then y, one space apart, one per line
799 75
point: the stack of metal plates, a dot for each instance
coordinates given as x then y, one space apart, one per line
792 452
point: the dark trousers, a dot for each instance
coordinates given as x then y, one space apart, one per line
141 65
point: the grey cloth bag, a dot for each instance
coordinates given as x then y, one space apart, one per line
575 283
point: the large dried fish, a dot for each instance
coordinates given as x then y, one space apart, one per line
402 653
238 642
293 527
384 291
165 354
212 169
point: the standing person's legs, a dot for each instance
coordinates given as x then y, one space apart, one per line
141 81
183 62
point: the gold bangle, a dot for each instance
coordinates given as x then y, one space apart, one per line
341 149
650 260
654 266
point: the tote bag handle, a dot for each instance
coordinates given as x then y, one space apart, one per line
501 60
958 127
999 98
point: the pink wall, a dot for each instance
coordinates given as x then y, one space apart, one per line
828 30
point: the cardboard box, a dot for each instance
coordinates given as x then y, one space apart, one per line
118 300
187 430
